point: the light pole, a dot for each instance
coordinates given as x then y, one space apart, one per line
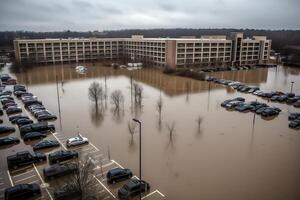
140 172
292 84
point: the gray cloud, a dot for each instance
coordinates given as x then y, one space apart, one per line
83 15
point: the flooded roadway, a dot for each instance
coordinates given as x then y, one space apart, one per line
226 158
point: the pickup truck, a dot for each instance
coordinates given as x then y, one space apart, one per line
24 158
37 127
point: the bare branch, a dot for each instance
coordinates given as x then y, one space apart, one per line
96 93
117 98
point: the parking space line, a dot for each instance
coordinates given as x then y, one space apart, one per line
88 149
155 191
108 164
42 181
60 142
11 182
22 173
117 164
23 179
94 146
34 181
104 187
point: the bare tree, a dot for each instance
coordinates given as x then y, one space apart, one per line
117 99
96 93
138 93
159 106
171 129
81 181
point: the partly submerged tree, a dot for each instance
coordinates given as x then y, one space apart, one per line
96 93
117 99
80 184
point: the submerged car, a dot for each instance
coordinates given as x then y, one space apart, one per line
22 191
24 158
243 107
60 156
39 127
45 144
118 174
9 140
59 170
7 129
13 110
295 124
133 188
233 104
267 112
77 141
294 116
33 136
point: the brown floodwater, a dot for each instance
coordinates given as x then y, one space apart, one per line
226 158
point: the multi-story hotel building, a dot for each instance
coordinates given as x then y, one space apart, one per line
171 52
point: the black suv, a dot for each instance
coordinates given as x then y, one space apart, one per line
118 174
133 188
22 191
61 155
24 158
39 127
9 140
58 170
7 129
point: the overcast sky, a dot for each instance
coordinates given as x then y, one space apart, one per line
86 15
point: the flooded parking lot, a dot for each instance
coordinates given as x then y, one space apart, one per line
226 157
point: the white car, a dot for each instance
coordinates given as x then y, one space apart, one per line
77 141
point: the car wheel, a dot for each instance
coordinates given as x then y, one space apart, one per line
15 167
41 160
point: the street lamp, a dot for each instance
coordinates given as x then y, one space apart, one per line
140 172
292 83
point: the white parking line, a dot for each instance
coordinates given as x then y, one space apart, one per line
59 142
155 191
23 179
42 181
104 187
11 182
24 168
108 164
117 164
22 173
94 147
34 181
88 149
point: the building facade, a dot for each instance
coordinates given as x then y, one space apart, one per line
171 52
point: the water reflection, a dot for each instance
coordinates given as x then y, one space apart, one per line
168 84
97 115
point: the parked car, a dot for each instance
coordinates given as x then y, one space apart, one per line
233 104
243 107
1 112
269 112
67 194
9 140
33 136
61 155
22 191
7 129
46 117
22 122
24 158
77 141
118 174
133 188
58 170
45 144
13 119
13 110
39 127
297 104
294 116
9 104
282 98
295 124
